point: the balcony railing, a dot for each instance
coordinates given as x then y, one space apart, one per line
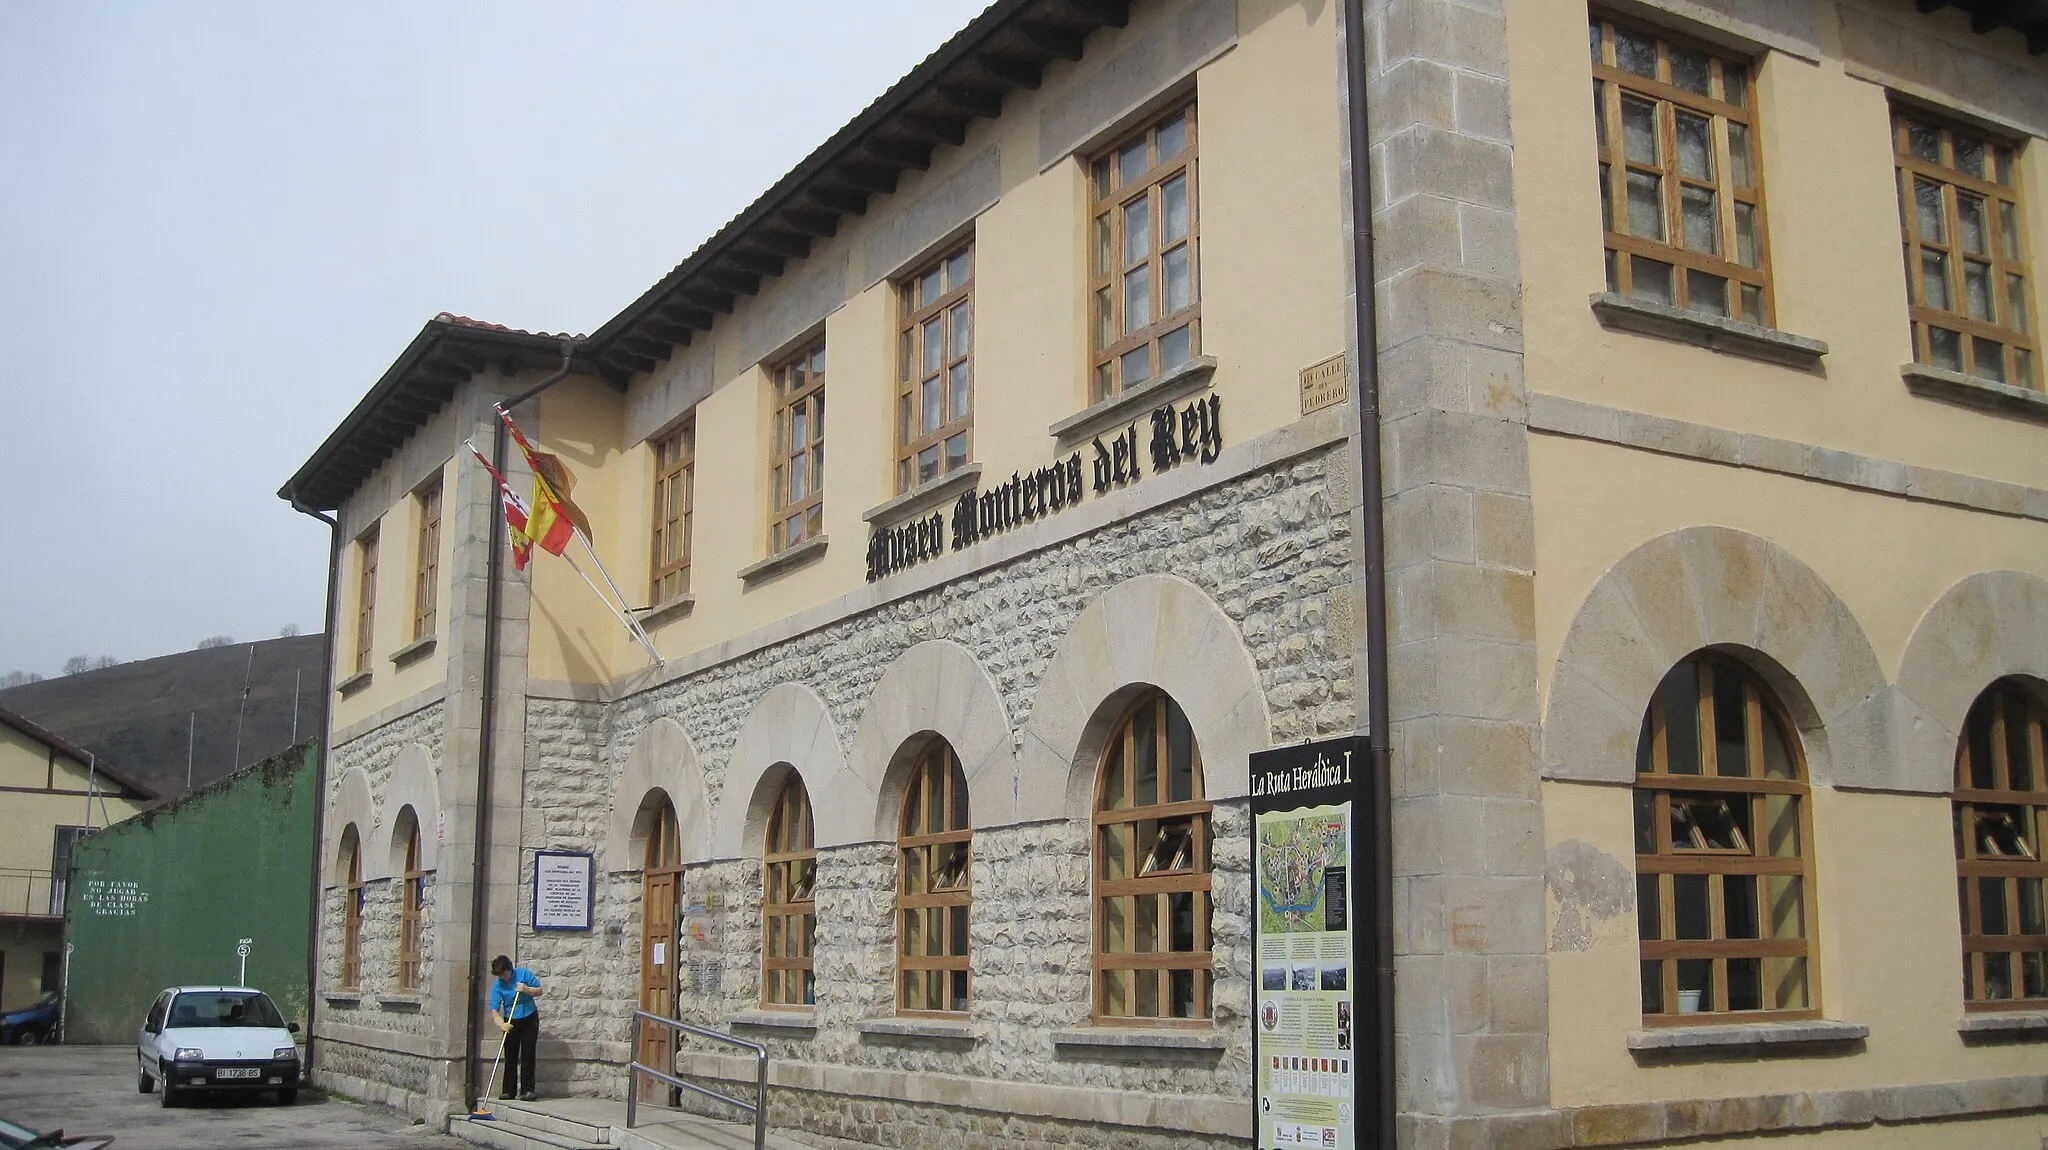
31 893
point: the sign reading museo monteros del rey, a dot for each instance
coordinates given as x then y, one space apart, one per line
1190 434
1311 944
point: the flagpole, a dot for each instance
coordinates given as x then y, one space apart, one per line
632 628
632 624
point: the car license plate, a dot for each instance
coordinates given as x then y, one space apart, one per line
238 1072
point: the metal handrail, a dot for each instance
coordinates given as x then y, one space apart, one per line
758 1108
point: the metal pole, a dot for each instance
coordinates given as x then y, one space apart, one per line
761 1100
243 709
191 722
296 676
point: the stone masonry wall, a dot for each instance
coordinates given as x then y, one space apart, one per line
1266 548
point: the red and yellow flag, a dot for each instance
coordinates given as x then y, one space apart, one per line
554 518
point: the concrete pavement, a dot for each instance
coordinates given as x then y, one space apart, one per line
91 1090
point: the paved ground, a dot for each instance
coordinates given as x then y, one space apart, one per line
91 1090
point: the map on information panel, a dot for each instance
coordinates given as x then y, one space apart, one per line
1293 854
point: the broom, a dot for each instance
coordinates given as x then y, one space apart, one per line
480 1114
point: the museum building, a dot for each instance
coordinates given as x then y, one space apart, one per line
1714 541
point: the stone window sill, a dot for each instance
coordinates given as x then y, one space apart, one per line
924 497
1969 391
1744 1040
806 552
352 684
1734 337
801 1022
2030 1026
342 997
1122 408
401 1003
1135 1040
935 1029
668 611
414 651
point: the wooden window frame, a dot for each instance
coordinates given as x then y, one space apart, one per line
936 300
934 839
675 498
1981 864
789 908
1746 290
426 579
798 384
2004 256
412 900
1738 856
353 897
1110 334
366 597
1186 872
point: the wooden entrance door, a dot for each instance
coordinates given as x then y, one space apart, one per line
661 894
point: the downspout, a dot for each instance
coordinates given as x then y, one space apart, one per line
480 890
1372 492
320 770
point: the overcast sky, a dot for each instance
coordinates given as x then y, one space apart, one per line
220 223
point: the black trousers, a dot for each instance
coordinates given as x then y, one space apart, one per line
519 1043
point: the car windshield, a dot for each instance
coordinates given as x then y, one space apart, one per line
223 1008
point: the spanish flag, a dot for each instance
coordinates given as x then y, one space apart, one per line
554 518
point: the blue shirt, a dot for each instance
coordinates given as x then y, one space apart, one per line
502 994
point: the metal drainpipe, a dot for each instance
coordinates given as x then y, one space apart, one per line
320 770
486 738
1378 708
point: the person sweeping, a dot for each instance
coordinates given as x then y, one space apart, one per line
512 995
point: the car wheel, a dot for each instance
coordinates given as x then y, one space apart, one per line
28 1036
166 1095
143 1082
287 1097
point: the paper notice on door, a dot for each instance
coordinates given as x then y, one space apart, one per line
660 953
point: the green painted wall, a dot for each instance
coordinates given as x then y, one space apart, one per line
164 898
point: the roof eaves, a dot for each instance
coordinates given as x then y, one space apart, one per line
1050 29
71 750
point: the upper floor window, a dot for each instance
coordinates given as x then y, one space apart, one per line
797 470
426 559
1143 277
352 911
1153 958
1681 189
1966 265
675 492
412 901
789 911
366 597
65 841
934 891
935 387
2001 806
1724 885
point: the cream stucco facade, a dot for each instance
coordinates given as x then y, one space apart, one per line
1580 493
53 791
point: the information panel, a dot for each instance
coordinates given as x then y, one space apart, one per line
1310 947
562 893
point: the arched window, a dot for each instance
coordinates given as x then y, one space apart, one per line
352 911
1152 951
789 865
1724 885
2001 806
934 894
412 899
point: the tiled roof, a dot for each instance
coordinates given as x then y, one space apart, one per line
486 325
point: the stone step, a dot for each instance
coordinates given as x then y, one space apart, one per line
542 1116
505 1133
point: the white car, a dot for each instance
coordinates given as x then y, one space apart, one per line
205 1038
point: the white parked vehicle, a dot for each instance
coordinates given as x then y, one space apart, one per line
205 1038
